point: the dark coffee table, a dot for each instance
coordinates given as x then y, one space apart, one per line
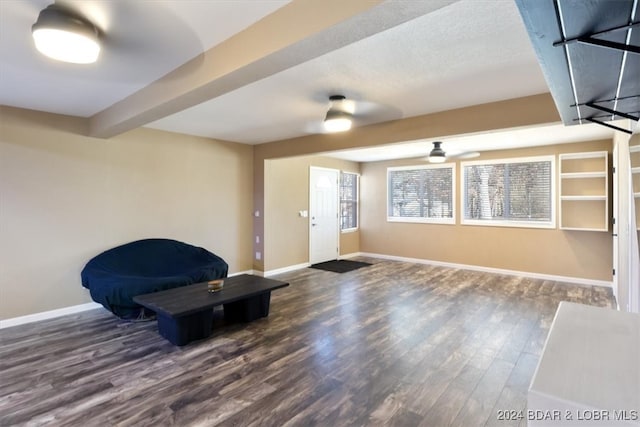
185 314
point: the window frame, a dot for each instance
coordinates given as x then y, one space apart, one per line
422 220
357 202
551 224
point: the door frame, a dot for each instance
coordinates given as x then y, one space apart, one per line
337 196
617 216
623 288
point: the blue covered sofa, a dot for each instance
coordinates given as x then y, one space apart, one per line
115 276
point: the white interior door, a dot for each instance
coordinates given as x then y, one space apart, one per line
323 215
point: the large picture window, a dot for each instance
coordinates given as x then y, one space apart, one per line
348 201
421 194
513 192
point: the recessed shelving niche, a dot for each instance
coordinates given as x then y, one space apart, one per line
584 198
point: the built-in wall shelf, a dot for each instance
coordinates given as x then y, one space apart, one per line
580 229
582 175
584 196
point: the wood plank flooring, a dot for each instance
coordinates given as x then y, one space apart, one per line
394 344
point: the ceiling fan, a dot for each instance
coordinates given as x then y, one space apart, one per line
437 154
348 109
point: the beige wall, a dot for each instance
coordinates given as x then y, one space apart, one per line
286 183
579 254
526 111
66 197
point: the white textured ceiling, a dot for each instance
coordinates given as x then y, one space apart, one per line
143 40
468 53
427 56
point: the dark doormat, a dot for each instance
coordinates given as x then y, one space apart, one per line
340 265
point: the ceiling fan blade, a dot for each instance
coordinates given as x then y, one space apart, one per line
464 155
438 155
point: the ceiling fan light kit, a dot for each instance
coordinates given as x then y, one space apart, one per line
337 120
65 36
437 155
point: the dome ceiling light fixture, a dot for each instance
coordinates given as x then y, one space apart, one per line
65 36
437 153
337 119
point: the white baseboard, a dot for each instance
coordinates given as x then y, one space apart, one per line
285 269
567 279
299 266
351 255
7 323
241 272
45 315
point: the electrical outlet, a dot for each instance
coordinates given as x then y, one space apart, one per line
257 239
258 256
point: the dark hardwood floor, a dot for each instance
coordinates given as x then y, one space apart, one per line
393 344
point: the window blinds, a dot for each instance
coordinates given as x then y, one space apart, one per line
509 191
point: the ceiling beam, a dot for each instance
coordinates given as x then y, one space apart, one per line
528 111
296 33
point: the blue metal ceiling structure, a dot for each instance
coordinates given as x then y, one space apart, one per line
589 51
